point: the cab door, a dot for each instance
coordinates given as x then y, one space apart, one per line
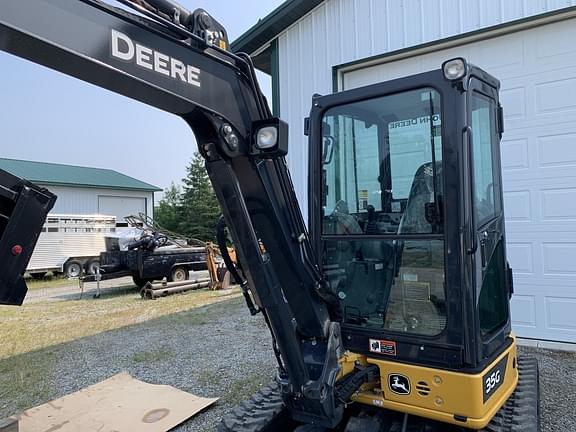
491 283
23 210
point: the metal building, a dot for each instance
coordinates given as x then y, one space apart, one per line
88 191
320 46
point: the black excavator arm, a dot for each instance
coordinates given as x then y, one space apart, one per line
177 61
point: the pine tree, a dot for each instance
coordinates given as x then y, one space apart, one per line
200 209
168 214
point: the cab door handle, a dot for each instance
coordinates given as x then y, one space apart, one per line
471 239
483 251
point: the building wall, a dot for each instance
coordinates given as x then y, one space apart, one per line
341 31
537 69
72 200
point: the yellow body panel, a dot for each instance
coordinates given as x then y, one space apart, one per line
438 394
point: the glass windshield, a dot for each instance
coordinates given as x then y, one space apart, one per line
382 170
389 285
382 177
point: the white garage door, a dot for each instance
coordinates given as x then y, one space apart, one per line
121 206
537 68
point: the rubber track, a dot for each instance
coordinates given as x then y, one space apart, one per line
263 412
521 411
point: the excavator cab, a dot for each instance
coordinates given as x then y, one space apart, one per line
406 217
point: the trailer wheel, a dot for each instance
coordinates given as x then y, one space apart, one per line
92 266
178 274
73 269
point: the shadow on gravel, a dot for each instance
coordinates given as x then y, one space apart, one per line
90 292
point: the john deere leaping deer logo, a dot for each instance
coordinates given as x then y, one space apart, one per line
399 384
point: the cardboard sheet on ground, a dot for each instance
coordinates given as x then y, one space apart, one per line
118 404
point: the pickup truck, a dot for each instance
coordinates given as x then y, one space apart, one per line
147 266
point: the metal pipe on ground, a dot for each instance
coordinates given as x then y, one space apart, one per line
151 294
163 285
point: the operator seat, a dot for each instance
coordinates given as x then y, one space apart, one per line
422 260
345 222
414 220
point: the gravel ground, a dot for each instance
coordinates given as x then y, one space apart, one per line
557 388
221 351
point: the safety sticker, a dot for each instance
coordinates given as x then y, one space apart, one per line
385 347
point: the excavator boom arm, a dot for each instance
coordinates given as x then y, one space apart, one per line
178 65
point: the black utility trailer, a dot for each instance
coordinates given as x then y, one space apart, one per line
147 266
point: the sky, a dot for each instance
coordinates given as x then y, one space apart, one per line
48 116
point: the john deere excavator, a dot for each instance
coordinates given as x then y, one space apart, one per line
391 313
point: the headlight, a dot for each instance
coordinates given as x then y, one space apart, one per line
270 138
454 69
267 137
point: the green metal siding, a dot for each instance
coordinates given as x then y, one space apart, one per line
70 175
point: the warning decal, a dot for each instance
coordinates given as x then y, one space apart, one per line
383 347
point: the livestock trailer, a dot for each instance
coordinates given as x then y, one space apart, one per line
70 243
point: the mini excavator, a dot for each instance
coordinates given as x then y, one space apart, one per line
390 310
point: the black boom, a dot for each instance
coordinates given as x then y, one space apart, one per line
176 61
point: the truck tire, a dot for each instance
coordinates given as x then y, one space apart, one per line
91 266
178 274
139 282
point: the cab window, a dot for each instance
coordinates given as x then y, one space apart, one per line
382 170
483 136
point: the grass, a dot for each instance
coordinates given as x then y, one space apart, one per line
239 390
44 324
24 380
153 356
49 282
244 388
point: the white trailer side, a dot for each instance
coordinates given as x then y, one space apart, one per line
70 242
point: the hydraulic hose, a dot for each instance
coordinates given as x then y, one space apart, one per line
223 247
